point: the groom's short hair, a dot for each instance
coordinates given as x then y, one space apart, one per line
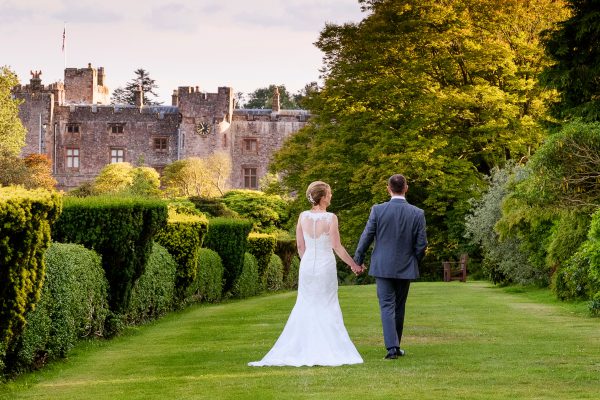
397 183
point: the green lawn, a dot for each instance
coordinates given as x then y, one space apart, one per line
463 341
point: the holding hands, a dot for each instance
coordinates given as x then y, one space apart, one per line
357 269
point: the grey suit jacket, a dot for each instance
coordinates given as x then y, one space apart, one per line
398 229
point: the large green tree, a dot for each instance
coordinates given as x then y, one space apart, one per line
573 45
439 91
127 95
262 98
12 131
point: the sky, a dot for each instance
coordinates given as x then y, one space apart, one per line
244 44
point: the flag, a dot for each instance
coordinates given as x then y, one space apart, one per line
64 37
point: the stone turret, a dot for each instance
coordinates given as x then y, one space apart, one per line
138 96
276 106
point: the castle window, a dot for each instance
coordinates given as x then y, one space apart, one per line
72 157
116 128
72 128
250 145
117 155
250 181
160 144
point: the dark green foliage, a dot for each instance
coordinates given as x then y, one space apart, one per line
568 233
262 246
212 207
262 98
229 237
574 48
153 294
290 278
286 249
182 237
273 275
121 230
248 282
267 212
25 219
208 285
127 95
73 305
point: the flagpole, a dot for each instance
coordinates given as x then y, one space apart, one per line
64 45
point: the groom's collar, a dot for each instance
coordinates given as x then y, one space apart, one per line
397 196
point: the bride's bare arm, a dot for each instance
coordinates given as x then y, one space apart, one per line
300 238
339 249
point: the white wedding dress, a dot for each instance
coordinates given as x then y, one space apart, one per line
314 333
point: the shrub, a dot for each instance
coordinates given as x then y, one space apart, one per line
262 246
229 237
182 237
154 292
25 218
121 230
248 283
286 249
274 274
73 305
213 207
208 285
267 212
290 279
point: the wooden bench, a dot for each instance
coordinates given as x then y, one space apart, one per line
456 270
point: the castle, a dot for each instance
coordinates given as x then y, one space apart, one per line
74 124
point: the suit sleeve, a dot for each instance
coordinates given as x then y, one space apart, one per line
421 240
366 238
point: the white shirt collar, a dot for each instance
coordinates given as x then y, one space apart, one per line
398 197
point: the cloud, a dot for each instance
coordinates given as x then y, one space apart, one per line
86 11
178 17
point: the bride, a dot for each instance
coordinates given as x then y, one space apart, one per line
315 333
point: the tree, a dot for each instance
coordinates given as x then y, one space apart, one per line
219 167
439 91
574 48
12 131
196 176
127 95
39 172
262 98
114 178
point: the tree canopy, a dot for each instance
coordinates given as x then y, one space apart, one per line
127 95
262 98
439 91
12 131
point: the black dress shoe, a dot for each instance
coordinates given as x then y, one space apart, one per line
392 354
399 352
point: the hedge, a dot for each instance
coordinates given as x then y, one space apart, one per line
229 237
267 212
262 246
212 207
208 285
274 274
290 278
153 294
121 229
73 305
182 237
25 219
286 249
248 283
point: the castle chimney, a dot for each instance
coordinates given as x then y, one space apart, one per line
138 96
175 99
276 107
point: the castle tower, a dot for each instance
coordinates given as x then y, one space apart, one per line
85 86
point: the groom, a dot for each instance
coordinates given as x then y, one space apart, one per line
400 242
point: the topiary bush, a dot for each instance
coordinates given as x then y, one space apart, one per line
286 249
208 285
248 282
267 212
153 294
182 237
121 230
229 238
25 219
73 305
274 274
213 207
262 246
290 278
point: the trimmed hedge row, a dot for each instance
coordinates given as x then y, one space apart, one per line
262 246
121 230
208 285
153 294
182 237
73 304
229 237
25 219
247 283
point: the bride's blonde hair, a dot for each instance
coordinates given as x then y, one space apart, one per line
315 191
